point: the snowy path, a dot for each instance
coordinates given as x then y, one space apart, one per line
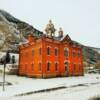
22 85
77 93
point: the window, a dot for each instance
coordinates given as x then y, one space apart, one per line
39 51
26 54
80 67
20 66
32 65
78 54
40 65
32 52
48 51
48 66
56 66
66 65
66 52
74 54
56 52
26 66
74 66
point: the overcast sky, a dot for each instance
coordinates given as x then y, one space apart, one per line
78 18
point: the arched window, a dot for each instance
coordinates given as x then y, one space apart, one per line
32 52
20 66
26 66
79 53
56 66
66 65
48 66
48 50
74 67
40 66
56 51
80 67
66 52
32 65
39 51
74 54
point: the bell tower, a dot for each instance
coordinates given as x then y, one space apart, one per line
60 33
50 29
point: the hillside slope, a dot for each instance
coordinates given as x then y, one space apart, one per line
13 31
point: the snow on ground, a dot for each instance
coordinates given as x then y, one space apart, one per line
78 93
77 88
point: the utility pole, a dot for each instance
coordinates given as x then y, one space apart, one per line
4 77
5 61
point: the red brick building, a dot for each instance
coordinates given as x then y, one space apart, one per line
50 57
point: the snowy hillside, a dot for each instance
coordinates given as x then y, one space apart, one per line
13 31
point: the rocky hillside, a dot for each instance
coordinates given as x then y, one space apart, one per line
91 55
13 31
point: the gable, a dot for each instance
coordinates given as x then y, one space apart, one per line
66 39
